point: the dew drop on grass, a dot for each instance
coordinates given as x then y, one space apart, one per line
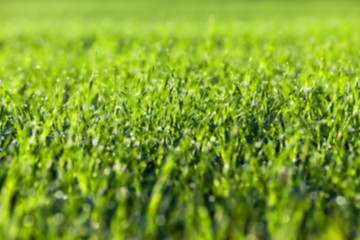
59 194
28 220
340 200
160 220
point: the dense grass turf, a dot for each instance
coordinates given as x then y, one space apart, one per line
179 126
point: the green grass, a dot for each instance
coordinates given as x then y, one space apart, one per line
193 121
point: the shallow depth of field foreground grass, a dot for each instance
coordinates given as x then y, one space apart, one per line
224 124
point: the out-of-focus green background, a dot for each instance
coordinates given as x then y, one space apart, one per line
176 10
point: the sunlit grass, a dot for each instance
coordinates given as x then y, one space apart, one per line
204 128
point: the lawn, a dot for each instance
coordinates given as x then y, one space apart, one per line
187 120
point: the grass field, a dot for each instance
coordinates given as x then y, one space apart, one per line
191 120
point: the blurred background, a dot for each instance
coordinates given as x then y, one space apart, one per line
160 10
